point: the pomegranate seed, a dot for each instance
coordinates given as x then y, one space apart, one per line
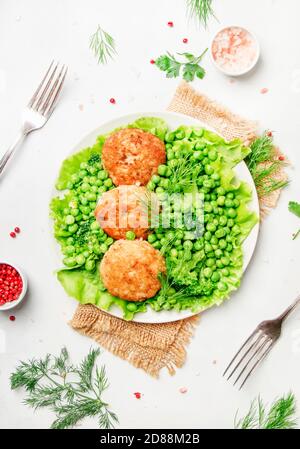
112 101
17 230
170 24
264 91
137 395
269 134
11 284
13 235
12 318
152 61
281 158
185 40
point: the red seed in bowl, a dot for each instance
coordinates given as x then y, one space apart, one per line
11 284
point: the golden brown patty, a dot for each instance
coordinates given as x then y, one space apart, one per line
123 209
130 269
132 156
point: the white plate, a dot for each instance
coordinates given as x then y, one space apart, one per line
173 120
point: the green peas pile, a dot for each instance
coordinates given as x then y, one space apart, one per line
83 241
210 253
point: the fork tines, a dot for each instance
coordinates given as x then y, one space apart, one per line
44 98
253 351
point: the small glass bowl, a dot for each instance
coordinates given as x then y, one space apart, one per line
243 71
16 302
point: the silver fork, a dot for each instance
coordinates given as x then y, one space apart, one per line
39 108
257 347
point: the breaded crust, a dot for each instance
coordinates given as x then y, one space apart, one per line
130 269
123 209
132 156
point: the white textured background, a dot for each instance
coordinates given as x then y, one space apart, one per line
34 32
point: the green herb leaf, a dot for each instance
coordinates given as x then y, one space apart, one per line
72 393
281 415
201 10
190 68
294 207
103 45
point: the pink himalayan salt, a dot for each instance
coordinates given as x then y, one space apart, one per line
234 50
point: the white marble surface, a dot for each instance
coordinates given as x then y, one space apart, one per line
34 32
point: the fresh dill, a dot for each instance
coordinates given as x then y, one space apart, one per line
103 45
201 10
72 392
280 415
263 164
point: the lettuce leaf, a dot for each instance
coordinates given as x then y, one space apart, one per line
88 288
153 125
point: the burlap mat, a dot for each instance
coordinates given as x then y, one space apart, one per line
156 346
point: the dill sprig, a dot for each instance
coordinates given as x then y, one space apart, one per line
201 10
72 392
103 45
263 164
280 415
294 208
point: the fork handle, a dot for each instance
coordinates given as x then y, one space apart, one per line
11 151
289 310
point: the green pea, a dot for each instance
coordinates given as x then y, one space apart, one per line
151 238
219 263
208 184
236 229
69 261
70 249
207 272
210 262
223 221
70 240
91 196
208 248
73 228
156 245
177 243
229 247
102 175
211 227
230 195
214 240
218 253
94 189
222 243
162 170
83 165
197 155
220 233
208 235
187 244
169 137
199 146
69 220
225 261
231 213
187 255
108 182
159 190
222 286
180 135
213 155
221 191
230 223
229 203
236 203
151 186
83 173
221 200
109 241
216 177
215 277
198 245
164 183
103 248
208 208
102 189
131 306
130 235
89 265
80 259
173 252
170 155
225 272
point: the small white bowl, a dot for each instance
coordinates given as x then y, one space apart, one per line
16 302
248 69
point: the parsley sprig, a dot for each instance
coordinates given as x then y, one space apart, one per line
280 415
190 67
72 392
